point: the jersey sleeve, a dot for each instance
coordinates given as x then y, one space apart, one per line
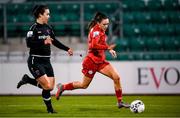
95 41
32 40
57 43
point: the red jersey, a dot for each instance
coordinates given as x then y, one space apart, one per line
97 44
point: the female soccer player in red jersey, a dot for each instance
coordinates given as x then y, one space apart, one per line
95 60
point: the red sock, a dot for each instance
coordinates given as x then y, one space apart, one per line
68 86
119 95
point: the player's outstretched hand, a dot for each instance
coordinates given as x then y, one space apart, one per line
70 52
48 40
112 46
113 53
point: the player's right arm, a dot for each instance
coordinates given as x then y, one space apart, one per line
95 37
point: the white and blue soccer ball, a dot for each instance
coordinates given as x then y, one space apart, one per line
137 106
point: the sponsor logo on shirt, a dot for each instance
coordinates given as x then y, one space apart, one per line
42 37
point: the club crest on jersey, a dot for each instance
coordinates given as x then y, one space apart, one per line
90 72
29 33
96 33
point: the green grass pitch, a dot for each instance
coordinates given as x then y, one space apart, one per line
88 106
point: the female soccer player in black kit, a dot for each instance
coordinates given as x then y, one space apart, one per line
39 39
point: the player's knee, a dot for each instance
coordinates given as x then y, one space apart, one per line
116 78
84 86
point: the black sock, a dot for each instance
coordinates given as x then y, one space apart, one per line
32 81
47 99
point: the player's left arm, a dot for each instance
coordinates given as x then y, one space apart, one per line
59 45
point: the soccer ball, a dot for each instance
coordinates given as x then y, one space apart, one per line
137 106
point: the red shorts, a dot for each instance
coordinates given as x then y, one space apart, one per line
90 68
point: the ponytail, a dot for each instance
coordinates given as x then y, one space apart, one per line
92 24
97 19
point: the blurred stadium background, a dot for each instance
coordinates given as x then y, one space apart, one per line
142 29
147 34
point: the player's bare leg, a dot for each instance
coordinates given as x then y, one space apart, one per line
48 84
73 85
112 73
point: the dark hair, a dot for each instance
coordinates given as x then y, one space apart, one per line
39 9
97 19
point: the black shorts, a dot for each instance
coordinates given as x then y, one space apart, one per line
40 66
